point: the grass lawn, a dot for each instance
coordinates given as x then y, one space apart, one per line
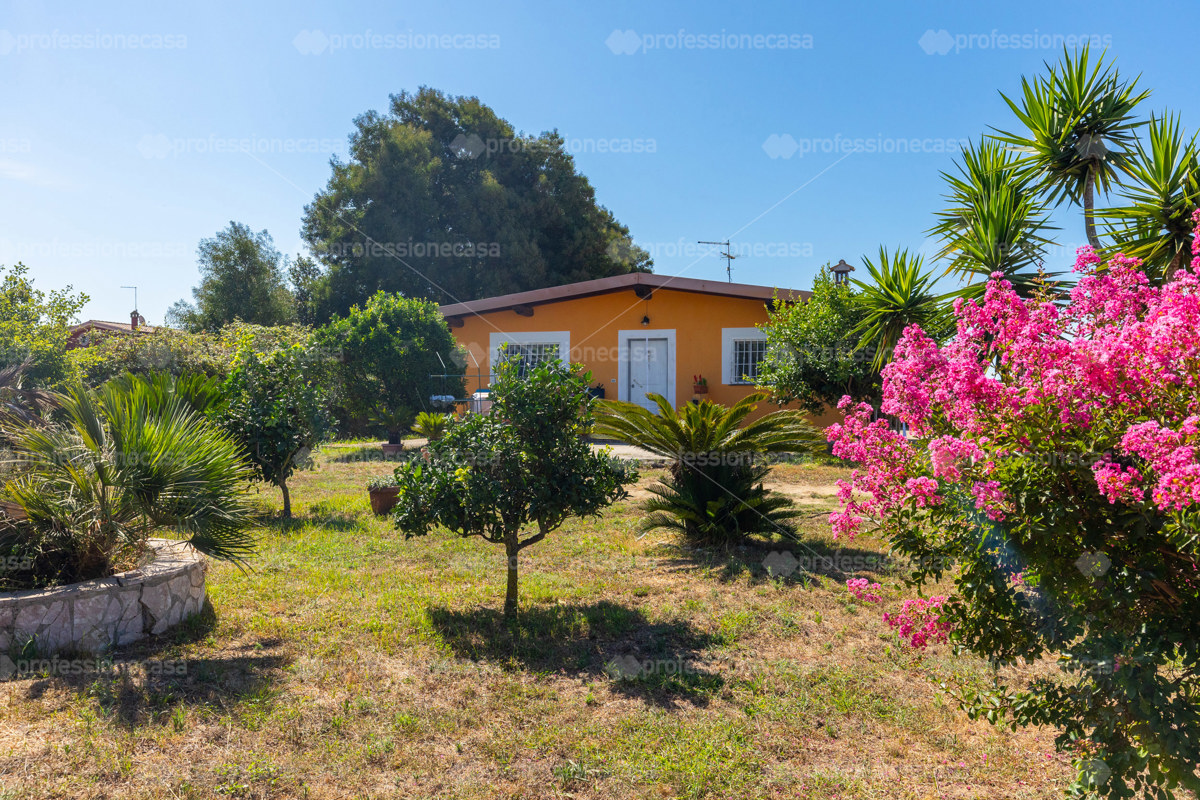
351 663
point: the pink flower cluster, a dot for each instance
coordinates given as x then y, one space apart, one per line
919 622
1117 367
864 590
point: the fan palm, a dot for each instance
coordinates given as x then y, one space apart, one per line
1155 223
713 492
1079 130
995 221
900 294
122 464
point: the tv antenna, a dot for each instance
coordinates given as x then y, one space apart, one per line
135 305
727 255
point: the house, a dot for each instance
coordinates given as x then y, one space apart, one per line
85 333
637 333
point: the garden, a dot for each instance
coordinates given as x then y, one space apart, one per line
981 582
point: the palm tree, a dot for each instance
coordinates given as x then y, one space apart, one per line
1079 130
713 493
995 221
125 461
1155 224
900 294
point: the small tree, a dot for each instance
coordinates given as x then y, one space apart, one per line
392 349
277 408
35 325
812 349
525 465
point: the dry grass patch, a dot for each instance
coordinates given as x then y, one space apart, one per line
351 663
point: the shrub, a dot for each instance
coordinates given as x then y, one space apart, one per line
525 465
108 355
1053 472
276 406
713 493
126 460
391 350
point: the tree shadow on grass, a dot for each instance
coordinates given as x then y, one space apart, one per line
145 683
371 454
654 661
792 562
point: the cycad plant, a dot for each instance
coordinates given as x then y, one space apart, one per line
124 460
713 493
431 426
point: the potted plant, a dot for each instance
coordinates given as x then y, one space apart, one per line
384 494
699 384
394 420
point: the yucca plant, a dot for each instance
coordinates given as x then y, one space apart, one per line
431 426
1162 190
996 220
713 493
900 294
123 461
1079 130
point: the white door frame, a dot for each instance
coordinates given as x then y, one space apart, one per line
623 338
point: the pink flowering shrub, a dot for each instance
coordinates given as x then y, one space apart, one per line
864 590
919 622
1051 467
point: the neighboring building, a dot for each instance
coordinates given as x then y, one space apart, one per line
85 333
637 333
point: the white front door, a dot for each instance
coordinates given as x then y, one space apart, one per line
648 370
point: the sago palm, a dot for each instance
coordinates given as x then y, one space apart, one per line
899 294
1079 130
123 462
713 492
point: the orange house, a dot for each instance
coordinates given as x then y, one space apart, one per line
637 333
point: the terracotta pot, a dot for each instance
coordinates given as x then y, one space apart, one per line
699 389
384 500
392 449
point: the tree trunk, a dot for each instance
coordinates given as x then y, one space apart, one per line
1089 210
287 500
510 597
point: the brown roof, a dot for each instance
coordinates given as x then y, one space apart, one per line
104 325
618 283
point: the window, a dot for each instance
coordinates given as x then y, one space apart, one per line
748 354
531 347
743 351
532 354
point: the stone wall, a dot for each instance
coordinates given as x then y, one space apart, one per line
107 612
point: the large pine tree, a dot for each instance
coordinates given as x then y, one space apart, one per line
442 199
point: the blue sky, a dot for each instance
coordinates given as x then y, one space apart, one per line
123 134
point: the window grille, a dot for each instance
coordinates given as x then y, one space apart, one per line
748 355
531 355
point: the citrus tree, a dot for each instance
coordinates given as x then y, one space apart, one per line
277 407
513 476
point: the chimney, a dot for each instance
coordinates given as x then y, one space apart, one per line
134 319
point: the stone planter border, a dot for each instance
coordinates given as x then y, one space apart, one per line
100 614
